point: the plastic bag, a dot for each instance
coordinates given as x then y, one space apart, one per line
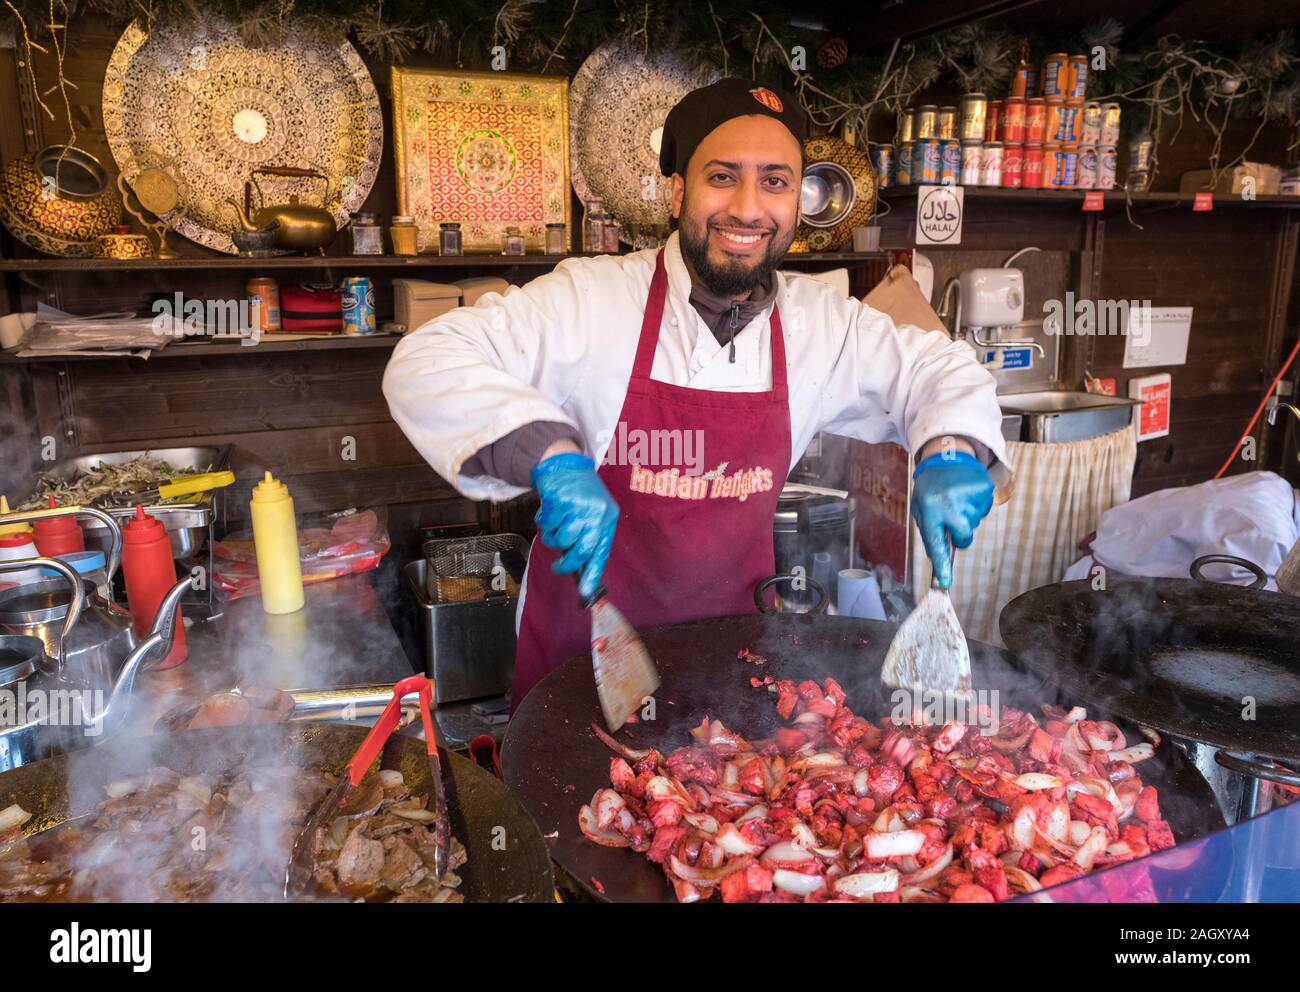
329 545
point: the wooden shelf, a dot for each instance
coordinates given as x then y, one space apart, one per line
348 262
1112 198
212 346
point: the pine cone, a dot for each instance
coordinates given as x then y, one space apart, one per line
832 54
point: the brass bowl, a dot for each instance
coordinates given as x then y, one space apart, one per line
839 193
123 246
60 197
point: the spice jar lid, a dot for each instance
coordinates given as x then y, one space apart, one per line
364 219
555 224
401 219
450 225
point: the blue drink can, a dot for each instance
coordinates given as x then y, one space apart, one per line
949 162
926 159
358 306
882 159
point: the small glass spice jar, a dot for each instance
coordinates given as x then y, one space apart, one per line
367 235
512 242
404 234
449 239
593 238
555 239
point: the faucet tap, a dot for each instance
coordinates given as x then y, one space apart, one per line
1018 343
1272 413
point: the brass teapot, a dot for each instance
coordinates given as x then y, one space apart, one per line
298 226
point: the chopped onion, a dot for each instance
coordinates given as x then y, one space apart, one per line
12 817
932 869
1020 879
661 789
122 787
418 815
863 885
733 842
755 812
631 754
797 883
860 780
802 835
786 854
702 821
709 875
608 804
1079 832
391 778
1090 848
1034 781
1076 714
587 823
893 844
822 759
1138 752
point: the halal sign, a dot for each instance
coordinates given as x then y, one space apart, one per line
938 215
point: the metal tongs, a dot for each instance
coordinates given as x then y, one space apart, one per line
299 872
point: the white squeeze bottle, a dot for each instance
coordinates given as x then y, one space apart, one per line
275 537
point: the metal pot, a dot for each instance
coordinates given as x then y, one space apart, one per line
94 644
49 714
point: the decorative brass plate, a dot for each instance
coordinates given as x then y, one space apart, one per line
207 108
857 164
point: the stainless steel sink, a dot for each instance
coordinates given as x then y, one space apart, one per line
1059 415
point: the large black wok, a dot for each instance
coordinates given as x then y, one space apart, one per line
71 785
553 762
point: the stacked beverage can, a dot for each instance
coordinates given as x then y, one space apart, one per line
1056 75
1109 124
1013 165
1031 167
1091 133
949 161
358 298
1086 174
971 154
926 124
948 124
1051 165
1022 81
926 156
882 160
1067 168
903 165
1013 121
992 120
991 164
1106 167
1077 78
907 128
1035 120
974 113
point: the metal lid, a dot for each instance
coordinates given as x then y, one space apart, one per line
809 508
19 657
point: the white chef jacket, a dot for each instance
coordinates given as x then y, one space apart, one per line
561 348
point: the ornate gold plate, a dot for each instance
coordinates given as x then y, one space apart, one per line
857 164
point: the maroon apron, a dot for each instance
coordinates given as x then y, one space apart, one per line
686 546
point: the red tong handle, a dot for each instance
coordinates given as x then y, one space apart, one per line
387 722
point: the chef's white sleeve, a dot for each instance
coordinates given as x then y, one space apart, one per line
473 375
903 384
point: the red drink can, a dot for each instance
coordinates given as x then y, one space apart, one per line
1013 121
1012 165
1035 120
1031 167
992 120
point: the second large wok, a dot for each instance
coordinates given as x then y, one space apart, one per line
507 859
553 762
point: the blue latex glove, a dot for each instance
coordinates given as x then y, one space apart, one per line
951 492
577 517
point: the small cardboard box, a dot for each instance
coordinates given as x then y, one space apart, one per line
418 301
472 289
1267 180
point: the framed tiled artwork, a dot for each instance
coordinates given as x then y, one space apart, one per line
488 150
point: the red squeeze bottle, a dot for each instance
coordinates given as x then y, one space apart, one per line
150 573
59 536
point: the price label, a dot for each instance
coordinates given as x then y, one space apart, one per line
1094 200
1203 201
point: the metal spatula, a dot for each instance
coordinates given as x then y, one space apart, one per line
929 652
625 674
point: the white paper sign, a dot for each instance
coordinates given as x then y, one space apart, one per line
939 212
1156 336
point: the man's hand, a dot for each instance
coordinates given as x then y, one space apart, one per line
578 515
951 494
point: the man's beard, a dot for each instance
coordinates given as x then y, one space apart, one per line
736 277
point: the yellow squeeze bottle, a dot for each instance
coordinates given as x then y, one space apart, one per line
275 538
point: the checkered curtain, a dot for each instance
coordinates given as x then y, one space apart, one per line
1061 491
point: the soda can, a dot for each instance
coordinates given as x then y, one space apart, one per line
1035 120
1139 153
358 298
1021 88
1109 124
991 164
992 119
1050 167
1013 158
1106 167
970 162
947 123
1013 121
903 166
1074 122
926 157
926 124
1031 86
906 127
882 160
974 112
1067 167
949 161
1086 176
1077 80
1056 75
1091 131
1031 167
